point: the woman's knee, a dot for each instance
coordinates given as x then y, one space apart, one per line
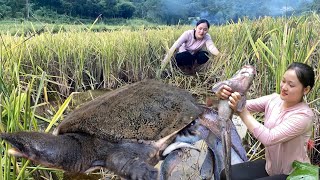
184 59
202 57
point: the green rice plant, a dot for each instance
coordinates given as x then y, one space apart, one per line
17 114
18 103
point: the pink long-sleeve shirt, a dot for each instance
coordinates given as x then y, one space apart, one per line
285 133
188 42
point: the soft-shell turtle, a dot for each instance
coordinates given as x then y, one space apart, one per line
125 131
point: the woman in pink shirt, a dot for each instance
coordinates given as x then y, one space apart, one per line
191 46
287 125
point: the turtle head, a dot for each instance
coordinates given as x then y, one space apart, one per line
60 152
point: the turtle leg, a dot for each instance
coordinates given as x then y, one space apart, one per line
131 160
190 134
226 144
238 153
215 146
206 171
169 163
131 167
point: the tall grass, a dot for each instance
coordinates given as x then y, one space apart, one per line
38 69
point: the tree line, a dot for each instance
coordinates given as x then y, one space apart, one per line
157 11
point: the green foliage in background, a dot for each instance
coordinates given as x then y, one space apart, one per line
157 11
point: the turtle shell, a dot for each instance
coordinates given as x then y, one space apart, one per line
147 110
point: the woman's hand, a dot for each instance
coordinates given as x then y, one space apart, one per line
234 100
244 114
224 92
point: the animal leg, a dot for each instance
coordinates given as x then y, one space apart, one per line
206 171
215 145
237 144
169 163
129 166
226 145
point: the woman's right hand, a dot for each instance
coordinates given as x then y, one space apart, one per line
224 92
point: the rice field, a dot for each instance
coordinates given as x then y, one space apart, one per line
43 68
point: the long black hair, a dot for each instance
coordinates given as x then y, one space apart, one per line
304 73
203 21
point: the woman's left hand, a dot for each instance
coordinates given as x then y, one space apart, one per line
244 114
234 99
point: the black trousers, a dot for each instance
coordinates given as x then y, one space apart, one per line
187 59
251 170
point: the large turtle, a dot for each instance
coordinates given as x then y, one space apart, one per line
127 131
